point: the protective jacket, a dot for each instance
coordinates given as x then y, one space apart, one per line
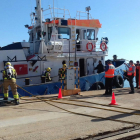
47 74
110 72
62 73
130 71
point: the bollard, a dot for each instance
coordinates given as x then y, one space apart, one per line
43 79
27 81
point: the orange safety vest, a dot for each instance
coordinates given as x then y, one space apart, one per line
110 72
130 69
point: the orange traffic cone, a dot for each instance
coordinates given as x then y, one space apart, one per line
60 94
113 102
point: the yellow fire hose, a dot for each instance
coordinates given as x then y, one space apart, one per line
47 101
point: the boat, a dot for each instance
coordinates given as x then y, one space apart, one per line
54 41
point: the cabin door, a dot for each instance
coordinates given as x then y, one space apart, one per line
82 67
90 66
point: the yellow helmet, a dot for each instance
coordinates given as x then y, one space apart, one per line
8 63
64 66
48 69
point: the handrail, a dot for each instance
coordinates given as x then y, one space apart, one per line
78 14
56 13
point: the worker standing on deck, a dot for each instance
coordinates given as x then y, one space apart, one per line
9 77
131 73
62 72
100 67
137 74
48 74
109 74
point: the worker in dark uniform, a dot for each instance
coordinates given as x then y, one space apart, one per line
62 72
100 67
48 74
109 74
137 74
131 73
9 77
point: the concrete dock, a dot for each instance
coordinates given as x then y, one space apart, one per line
39 121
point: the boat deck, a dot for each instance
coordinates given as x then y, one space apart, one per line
36 120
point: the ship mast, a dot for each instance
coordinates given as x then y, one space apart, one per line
39 20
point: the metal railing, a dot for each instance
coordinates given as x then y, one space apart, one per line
80 14
78 49
54 13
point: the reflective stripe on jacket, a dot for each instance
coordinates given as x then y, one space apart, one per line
129 73
110 72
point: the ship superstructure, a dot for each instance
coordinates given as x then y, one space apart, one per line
54 41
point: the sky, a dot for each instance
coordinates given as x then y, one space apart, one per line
120 22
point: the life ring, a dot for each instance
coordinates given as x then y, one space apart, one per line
91 45
103 43
97 86
118 81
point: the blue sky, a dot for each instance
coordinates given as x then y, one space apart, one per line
120 22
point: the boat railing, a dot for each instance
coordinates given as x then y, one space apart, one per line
81 14
54 13
67 45
82 46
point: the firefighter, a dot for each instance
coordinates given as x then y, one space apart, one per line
9 78
48 74
62 72
109 74
137 74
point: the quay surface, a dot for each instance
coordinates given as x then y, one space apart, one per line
39 121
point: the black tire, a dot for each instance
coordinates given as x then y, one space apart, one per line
118 81
97 86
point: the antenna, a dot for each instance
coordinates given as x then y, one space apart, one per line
53 14
88 9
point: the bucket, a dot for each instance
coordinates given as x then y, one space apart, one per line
43 79
27 81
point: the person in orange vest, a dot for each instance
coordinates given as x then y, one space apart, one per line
131 72
109 74
137 74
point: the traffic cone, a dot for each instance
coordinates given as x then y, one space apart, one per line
60 94
113 102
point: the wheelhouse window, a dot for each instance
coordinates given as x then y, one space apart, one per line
38 35
64 33
90 34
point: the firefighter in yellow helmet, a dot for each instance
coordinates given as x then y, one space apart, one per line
62 72
48 74
9 78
